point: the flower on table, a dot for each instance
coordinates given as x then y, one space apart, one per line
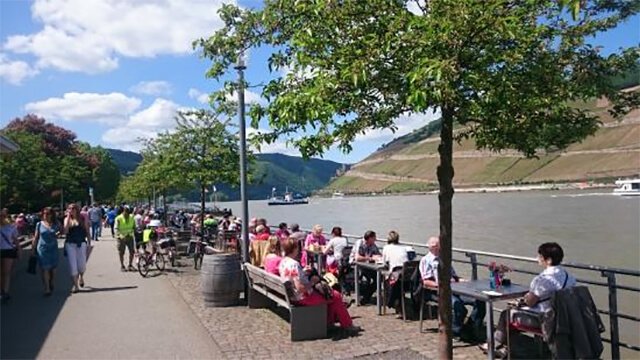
498 268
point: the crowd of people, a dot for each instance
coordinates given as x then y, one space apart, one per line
285 255
79 226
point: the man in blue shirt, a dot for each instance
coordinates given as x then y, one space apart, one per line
429 273
111 219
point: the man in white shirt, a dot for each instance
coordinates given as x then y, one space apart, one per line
429 273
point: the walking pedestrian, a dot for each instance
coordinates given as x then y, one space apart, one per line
125 226
76 228
111 219
45 246
9 252
95 215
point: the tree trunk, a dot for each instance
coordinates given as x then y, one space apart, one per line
202 199
445 179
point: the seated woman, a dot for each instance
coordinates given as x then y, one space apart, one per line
553 278
334 250
314 238
274 256
306 292
394 256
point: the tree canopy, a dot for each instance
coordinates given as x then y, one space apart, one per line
52 164
506 70
199 153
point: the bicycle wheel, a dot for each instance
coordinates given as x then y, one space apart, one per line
159 260
143 265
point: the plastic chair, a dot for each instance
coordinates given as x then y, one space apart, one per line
345 272
426 296
517 325
408 268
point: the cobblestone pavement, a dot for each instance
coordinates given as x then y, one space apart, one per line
243 333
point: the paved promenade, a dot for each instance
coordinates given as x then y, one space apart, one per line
116 316
124 316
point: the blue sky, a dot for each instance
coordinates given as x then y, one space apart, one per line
113 71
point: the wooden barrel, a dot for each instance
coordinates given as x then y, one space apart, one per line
221 280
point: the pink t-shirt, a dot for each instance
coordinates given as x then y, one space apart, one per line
272 264
313 240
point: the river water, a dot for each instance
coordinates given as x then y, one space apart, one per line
593 228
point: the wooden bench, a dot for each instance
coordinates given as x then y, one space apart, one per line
307 322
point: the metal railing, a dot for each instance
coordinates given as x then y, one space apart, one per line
609 273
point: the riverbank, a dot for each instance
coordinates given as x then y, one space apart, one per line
570 186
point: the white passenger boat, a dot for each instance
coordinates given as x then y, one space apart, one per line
627 187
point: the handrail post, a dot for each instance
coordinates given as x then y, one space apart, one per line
613 314
474 265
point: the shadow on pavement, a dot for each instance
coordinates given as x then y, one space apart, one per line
115 288
27 319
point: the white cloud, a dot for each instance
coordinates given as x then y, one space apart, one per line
152 88
90 36
201 97
250 97
279 146
90 107
14 72
159 116
406 123
147 123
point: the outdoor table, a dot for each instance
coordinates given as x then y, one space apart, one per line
480 290
381 270
318 256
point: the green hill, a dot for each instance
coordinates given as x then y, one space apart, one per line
409 163
127 161
270 170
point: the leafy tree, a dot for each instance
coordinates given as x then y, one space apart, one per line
57 140
52 164
203 150
505 70
199 152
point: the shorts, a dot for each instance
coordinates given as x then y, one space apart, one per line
126 242
9 253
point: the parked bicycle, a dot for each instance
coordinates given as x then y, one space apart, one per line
199 245
167 245
144 258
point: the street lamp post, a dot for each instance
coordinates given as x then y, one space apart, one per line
240 66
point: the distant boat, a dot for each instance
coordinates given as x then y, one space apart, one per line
337 195
287 199
627 187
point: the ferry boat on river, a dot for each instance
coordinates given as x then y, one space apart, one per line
627 187
287 199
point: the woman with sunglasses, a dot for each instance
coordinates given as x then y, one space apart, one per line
76 227
45 244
